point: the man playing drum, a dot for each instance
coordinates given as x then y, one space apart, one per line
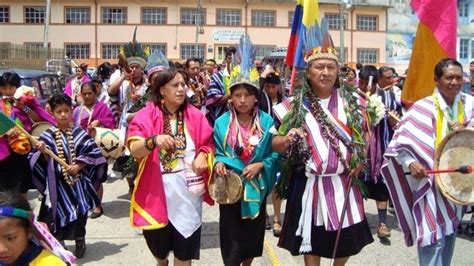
426 217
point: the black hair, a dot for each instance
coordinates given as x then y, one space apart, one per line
472 62
104 70
90 84
11 79
444 63
16 200
359 66
160 79
58 99
367 71
252 90
83 67
273 78
384 69
2 81
192 59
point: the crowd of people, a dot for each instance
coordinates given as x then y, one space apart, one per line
184 127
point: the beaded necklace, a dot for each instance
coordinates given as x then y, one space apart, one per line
167 157
72 151
328 131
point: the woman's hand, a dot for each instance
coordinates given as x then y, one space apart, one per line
165 142
251 170
356 171
220 169
417 170
200 164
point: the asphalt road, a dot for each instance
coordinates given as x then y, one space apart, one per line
112 241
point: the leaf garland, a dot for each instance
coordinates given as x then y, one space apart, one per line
296 156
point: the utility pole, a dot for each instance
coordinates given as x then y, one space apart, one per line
46 23
198 27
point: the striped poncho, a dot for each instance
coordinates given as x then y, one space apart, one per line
425 215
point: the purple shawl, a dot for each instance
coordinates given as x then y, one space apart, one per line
100 112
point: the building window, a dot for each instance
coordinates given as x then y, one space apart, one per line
262 50
35 15
463 8
114 15
110 50
334 21
367 56
78 50
366 22
291 14
35 50
154 15
192 16
263 18
472 48
156 46
188 51
229 17
78 15
4 14
463 48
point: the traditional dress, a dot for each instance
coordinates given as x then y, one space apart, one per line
425 215
382 133
162 199
242 224
64 207
83 116
316 196
218 87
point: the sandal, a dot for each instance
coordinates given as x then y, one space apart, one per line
268 226
276 232
97 214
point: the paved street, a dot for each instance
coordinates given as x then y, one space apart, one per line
111 240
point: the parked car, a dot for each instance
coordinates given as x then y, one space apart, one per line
45 83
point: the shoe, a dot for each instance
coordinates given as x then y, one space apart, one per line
470 229
96 214
276 231
80 248
383 231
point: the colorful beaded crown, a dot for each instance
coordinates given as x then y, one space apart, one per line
135 52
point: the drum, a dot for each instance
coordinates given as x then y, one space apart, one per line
110 142
39 128
226 189
454 151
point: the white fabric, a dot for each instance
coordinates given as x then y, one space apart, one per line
184 208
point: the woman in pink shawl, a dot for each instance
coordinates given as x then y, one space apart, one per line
73 86
171 140
90 114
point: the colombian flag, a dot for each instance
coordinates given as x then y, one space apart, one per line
306 15
435 39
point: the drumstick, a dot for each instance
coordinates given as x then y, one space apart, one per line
465 169
47 151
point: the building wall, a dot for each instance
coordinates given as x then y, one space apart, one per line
174 34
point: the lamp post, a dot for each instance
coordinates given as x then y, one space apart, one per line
343 5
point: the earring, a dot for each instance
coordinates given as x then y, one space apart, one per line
162 102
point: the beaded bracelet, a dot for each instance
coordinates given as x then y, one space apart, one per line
150 143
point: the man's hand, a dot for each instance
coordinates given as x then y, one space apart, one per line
417 170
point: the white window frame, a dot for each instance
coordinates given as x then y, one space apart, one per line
5 11
154 15
263 18
114 15
364 57
110 50
367 22
186 50
78 50
187 16
34 14
77 15
228 17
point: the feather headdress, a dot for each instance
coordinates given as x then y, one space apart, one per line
135 52
245 72
317 43
156 62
